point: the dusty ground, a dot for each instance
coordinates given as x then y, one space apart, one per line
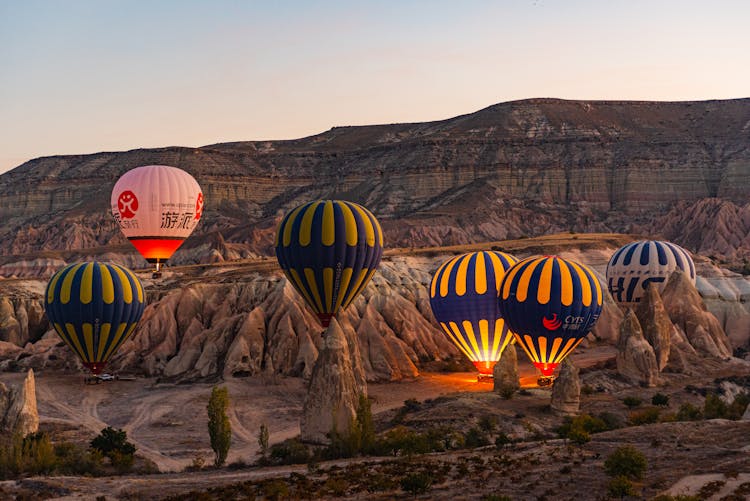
168 424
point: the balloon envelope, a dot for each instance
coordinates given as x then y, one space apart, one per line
464 299
636 265
551 304
329 251
94 307
157 208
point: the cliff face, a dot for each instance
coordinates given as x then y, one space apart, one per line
513 169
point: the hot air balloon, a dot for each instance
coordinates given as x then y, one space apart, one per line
550 304
638 264
329 251
157 208
464 299
94 307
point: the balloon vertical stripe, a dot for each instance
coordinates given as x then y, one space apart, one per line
463 297
551 304
636 265
329 251
84 300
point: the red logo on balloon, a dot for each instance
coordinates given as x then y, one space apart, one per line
127 204
551 324
199 206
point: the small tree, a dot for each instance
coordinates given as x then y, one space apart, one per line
219 429
626 461
263 439
365 425
114 444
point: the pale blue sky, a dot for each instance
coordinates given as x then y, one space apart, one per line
81 76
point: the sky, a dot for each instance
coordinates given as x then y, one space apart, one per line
83 76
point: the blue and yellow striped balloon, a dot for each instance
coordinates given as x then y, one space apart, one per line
550 304
94 307
463 297
329 251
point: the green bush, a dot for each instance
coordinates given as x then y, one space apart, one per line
626 461
646 416
401 440
290 451
689 412
632 402
579 436
580 428
714 407
475 438
113 443
660 399
620 486
488 423
501 440
416 483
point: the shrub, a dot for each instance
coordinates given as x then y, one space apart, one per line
416 483
611 421
714 407
660 399
620 486
646 416
626 461
114 444
219 429
401 440
689 412
488 423
631 402
501 440
475 438
580 428
579 436
290 451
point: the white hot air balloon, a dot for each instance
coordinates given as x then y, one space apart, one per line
636 265
157 208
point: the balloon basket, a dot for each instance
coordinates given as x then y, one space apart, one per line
485 378
156 274
544 381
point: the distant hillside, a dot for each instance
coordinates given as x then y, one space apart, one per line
523 168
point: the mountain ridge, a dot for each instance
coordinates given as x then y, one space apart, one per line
520 168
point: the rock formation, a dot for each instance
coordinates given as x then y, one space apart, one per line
566 391
18 412
656 325
636 361
333 394
688 313
505 373
519 168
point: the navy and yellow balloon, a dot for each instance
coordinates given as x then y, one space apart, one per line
551 304
463 297
329 251
94 307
